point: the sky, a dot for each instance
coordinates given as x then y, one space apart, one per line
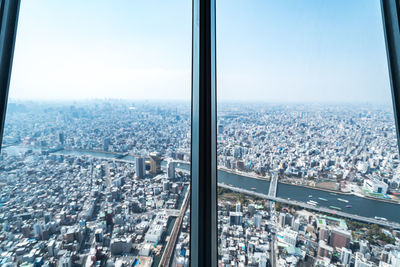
268 51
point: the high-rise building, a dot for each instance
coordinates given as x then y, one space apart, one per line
394 257
238 207
290 237
257 220
364 246
324 233
263 261
140 168
296 224
339 238
220 129
61 138
155 163
324 251
106 143
236 218
165 186
345 256
171 169
281 219
252 209
228 206
361 261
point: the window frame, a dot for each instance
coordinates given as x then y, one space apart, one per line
203 187
203 221
390 20
9 11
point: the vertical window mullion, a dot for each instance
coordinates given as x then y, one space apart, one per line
204 161
9 20
391 22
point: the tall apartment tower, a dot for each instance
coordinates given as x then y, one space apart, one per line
238 207
140 168
171 169
155 163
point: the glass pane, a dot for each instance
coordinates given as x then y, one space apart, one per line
94 164
307 151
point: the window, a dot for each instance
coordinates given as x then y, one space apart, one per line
307 148
306 136
96 147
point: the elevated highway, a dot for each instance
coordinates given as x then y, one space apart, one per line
169 249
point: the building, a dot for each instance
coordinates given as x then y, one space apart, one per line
281 219
61 138
140 168
339 238
257 220
252 209
238 207
324 251
155 163
375 186
290 237
394 257
364 246
171 169
324 234
361 261
106 144
236 218
154 233
345 256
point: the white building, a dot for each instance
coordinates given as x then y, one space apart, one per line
375 186
394 258
154 233
361 261
290 236
345 256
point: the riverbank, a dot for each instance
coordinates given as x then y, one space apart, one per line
263 178
309 187
234 172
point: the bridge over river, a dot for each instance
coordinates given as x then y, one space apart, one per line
393 225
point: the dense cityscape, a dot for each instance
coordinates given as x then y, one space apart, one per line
106 183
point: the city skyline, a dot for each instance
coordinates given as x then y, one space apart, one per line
321 53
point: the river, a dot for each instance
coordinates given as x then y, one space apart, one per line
361 206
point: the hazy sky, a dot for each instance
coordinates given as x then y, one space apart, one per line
281 50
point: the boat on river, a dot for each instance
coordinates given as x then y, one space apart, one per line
334 207
323 199
312 202
309 195
348 206
380 218
343 200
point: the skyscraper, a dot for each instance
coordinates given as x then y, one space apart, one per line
171 169
140 168
238 207
345 256
339 238
155 163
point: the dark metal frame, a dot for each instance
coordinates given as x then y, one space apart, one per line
9 10
391 20
203 239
